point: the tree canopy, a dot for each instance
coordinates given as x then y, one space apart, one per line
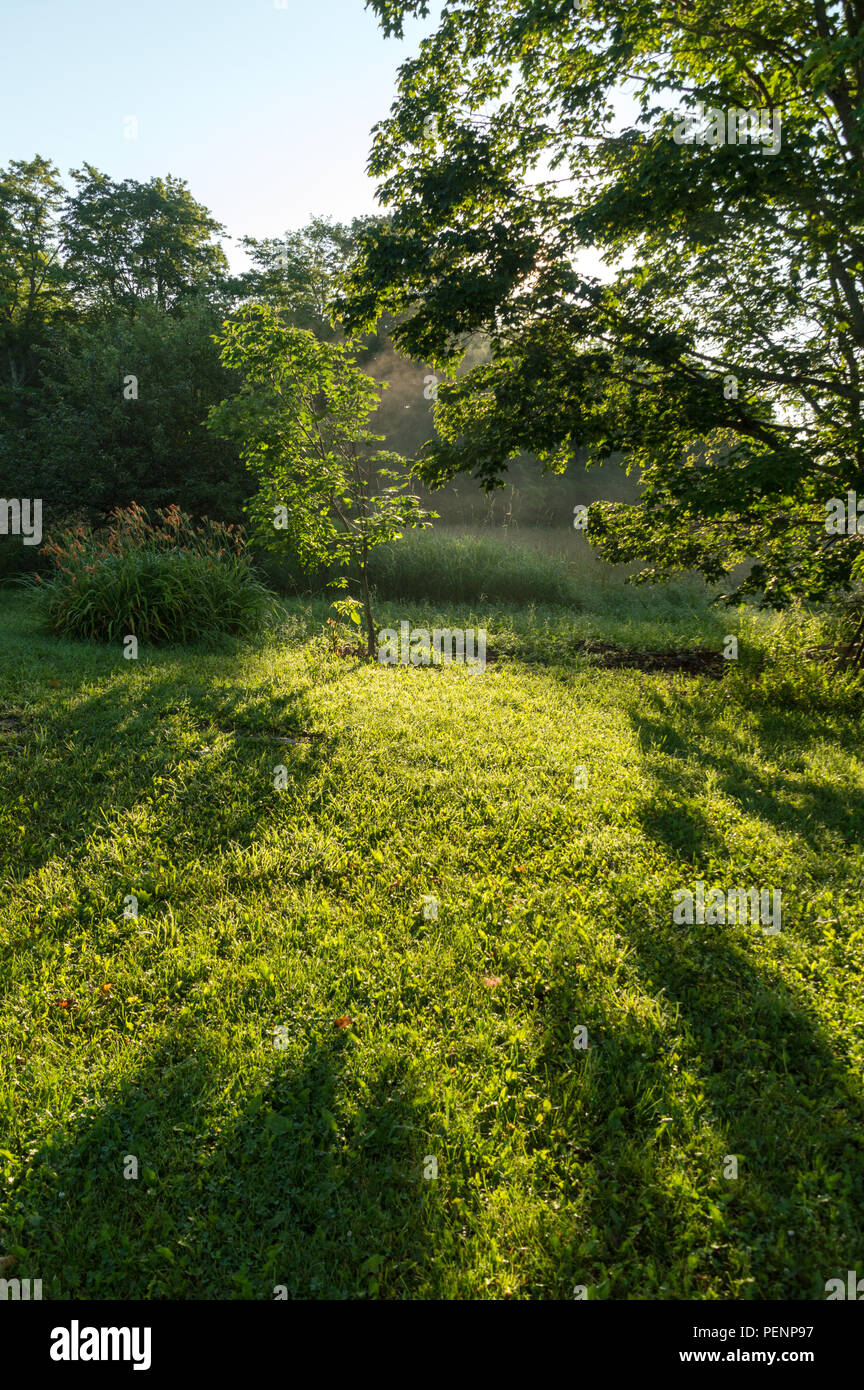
129 242
723 356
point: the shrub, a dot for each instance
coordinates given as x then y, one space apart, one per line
166 580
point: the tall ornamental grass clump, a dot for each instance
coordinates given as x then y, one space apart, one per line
161 580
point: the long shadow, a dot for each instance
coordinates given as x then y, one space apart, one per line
199 759
798 804
301 1193
766 1086
103 756
290 1185
772 1086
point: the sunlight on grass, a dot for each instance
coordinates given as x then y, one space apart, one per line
258 910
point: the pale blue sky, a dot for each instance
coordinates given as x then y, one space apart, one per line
265 112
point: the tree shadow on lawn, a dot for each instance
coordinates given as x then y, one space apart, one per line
764 1085
223 802
296 1187
314 1183
796 804
776 1086
109 749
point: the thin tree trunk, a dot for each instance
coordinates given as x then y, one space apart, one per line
367 605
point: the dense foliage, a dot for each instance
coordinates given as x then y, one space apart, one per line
725 358
301 421
112 295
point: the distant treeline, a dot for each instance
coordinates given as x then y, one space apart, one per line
110 293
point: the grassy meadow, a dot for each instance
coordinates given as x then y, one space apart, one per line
289 1049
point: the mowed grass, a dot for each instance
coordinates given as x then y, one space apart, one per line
284 1042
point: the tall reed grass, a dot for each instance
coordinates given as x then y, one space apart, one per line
165 580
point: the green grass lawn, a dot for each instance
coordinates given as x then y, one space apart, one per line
276 1147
